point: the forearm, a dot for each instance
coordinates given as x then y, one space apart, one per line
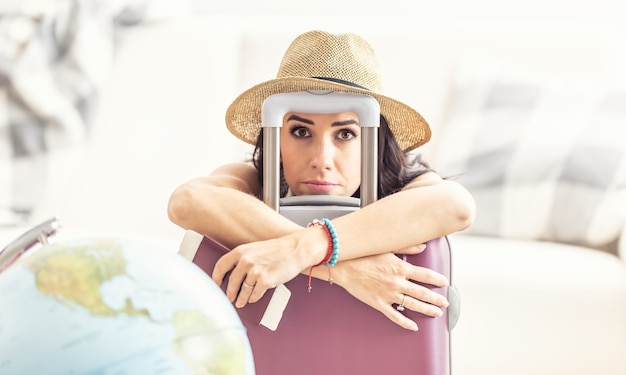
404 219
229 216
393 224
427 209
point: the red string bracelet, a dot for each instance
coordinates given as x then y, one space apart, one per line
329 252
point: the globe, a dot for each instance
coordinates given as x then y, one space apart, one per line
116 306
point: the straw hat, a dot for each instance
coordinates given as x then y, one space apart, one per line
318 60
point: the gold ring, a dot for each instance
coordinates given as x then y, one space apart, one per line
247 285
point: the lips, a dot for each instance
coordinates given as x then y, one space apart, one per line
318 186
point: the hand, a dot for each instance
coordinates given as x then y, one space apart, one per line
258 266
383 280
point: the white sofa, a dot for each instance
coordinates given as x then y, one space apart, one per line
532 303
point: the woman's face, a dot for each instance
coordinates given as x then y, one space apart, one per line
321 153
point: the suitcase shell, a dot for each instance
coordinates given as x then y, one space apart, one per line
328 330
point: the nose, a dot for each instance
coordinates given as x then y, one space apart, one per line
323 154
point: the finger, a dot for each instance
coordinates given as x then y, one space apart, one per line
235 283
398 318
245 291
427 276
411 250
246 285
423 307
222 267
251 293
259 291
423 294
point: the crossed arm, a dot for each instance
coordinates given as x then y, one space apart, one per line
269 249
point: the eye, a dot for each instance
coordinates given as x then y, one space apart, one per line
300 132
345 134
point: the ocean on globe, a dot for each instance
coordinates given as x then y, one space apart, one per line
116 306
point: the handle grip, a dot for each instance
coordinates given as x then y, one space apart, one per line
317 101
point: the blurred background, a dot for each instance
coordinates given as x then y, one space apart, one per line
106 106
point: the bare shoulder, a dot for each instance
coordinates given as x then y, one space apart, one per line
425 179
240 176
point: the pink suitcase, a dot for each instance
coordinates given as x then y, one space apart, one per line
329 331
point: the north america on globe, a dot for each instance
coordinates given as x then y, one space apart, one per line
108 306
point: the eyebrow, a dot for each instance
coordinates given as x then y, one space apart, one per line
308 121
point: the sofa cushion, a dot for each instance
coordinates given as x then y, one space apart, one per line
544 159
537 308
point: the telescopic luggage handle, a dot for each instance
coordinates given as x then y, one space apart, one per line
320 101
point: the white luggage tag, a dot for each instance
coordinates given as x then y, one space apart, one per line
277 305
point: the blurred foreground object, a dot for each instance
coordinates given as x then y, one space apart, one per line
104 305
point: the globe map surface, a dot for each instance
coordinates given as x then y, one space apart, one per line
109 306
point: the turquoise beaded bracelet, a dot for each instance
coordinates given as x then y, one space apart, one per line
333 248
333 237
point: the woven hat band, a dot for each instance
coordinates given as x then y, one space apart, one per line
343 82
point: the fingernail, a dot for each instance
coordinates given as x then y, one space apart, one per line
443 302
421 247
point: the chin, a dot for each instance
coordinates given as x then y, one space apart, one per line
308 191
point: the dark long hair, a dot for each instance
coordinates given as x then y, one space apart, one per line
396 168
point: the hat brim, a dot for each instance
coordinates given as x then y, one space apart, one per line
243 116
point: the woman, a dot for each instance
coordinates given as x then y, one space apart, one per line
320 154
